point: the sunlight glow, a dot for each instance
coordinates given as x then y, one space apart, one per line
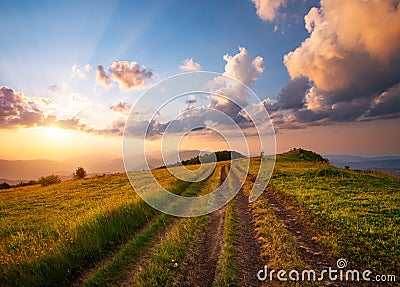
55 133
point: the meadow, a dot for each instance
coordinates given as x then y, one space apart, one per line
98 232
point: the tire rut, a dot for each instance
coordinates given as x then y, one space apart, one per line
310 250
249 248
202 272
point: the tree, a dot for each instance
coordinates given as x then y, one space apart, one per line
80 173
50 179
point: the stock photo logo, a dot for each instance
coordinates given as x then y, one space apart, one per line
202 111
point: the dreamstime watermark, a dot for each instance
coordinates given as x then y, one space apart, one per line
331 274
196 111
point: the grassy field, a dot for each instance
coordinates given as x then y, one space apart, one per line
50 234
53 235
356 214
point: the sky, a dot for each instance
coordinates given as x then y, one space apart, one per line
327 72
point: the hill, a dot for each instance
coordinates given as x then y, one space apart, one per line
299 154
209 157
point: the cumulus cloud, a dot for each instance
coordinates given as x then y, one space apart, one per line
121 107
291 96
130 75
190 65
102 77
243 67
127 75
17 110
352 62
387 104
80 73
268 9
229 99
344 49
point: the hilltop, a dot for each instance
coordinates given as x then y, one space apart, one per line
299 154
209 157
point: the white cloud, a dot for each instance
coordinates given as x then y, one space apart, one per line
127 75
268 9
130 75
88 67
77 97
190 65
244 67
348 39
315 101
77 72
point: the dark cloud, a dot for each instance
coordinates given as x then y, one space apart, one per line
353 66
291 96
16 111
54 88
387 104
191 100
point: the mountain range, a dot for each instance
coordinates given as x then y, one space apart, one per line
379 163
15 171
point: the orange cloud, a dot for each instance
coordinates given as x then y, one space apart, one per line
348 39
352 62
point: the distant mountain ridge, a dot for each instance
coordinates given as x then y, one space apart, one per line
386 163
12 171
15 171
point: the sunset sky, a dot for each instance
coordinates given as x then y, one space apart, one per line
328 72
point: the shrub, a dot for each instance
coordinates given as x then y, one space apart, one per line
50 179
4 185
80 173
31 182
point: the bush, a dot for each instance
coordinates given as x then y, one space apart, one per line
50 179
4 185
31 182
80 173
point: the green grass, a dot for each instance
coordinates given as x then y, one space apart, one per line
278 246
356 214
117 268
165 266
50 234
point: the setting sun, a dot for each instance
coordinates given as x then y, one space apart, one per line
55 133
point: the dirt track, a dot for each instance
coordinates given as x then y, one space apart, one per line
249 248
202 272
